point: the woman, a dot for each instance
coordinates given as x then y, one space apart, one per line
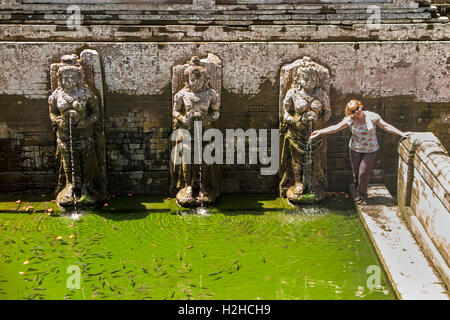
363 144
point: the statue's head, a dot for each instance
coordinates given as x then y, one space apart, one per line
306 78
196 75
307 74
70 77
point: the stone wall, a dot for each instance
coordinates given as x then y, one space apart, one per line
215 12
399 69
424 196
406 82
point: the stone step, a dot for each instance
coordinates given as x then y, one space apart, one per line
100 5
325 9
6 18
411 274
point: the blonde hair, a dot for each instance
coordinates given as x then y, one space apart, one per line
352 105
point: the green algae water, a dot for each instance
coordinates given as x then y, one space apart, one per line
164 253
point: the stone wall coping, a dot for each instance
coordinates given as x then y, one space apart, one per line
413 141
199 4
128 12
437 161
190 33
425 150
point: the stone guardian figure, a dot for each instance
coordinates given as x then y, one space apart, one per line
196 88
304 107
76 113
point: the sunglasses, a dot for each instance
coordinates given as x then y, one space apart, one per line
356 110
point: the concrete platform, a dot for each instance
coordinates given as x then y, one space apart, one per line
410 273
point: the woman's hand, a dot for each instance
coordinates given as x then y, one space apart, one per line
315 134
407 134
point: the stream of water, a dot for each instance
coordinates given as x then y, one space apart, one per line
308 163
75 213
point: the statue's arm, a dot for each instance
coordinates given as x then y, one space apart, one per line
53 110
288 107
215 107
326 108
178 108
95 108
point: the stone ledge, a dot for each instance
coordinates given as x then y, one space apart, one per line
427 245
164 5
204 18
51 12
410 273
190 33
425 153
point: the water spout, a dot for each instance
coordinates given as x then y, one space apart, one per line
201 192
71 112
308 165
75 200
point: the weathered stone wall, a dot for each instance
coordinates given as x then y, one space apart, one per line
216 12
424 196
406 82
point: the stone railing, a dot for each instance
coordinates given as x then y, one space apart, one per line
423 196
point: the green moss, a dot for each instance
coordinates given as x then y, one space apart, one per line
161 203
250 202
309 198
29 204
157 203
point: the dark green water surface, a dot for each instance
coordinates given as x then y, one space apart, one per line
162 253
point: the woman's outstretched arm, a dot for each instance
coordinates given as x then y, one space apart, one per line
331 129
391 129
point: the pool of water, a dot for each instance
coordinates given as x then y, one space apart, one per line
314 253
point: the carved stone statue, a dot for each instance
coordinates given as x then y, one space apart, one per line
196 88
77 119
304 107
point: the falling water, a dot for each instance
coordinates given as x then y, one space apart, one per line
202 211
76 214
308 160
200 144
71 150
